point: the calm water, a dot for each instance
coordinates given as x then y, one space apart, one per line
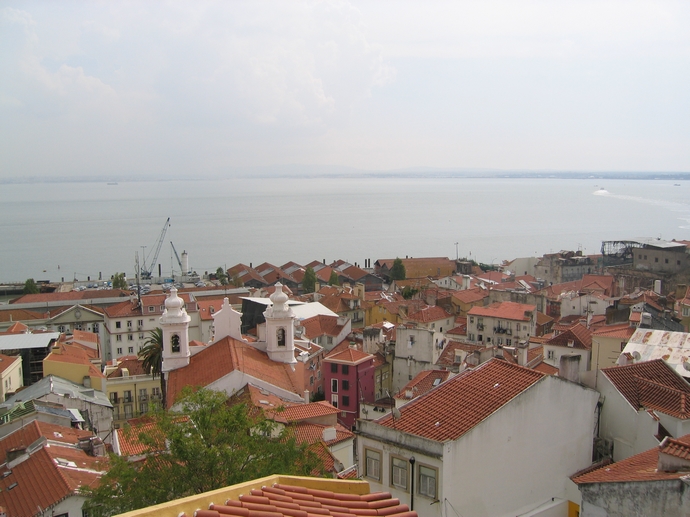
87 228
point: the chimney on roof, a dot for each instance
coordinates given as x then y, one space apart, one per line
645 320
329 434
306 396
522 349
569 368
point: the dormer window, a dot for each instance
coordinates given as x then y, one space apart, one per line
175 343
151 308
280 335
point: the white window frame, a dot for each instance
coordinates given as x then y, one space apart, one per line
372 464
428 482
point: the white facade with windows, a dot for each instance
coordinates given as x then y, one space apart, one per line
510 463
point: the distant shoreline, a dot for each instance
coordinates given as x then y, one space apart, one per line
422 174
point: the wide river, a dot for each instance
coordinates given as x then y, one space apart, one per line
50 231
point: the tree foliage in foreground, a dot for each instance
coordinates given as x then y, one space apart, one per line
333 280
119 281
217 445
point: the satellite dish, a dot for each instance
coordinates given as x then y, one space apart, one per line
396 413
636 355
686 365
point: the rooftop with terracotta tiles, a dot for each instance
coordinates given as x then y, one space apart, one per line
504 310
422 383
652 385
464 401
428 314
641 467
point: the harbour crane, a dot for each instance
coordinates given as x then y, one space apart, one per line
147 272
183 272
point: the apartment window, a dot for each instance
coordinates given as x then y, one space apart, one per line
329 340
61 328
509 342
96 328
334 400
151 309
118 324
334 385
311 380
639 256
130 337
142 394
140 323
427 481
550 354
155 393
656 259
130 350
141 335
686 311
480 338
645 257
346 385
77 326
119 350
144 407
334 368
372 464
666 261
129 324
118 337
318 375
345 369
116 412
677 262
127 395
128 411
113 397
346 401
399 472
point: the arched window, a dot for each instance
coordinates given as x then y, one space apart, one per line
280 334
175 342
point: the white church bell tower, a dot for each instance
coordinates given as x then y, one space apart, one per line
175 325
280 328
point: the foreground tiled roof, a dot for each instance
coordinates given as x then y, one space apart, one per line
464 401
295 501
641 467
652 385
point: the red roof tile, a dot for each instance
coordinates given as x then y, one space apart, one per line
227 355
579 335
447 357
652 385
505 310
622 330
641 467
422 383
7 360
320 325
464 401
428 314
470 295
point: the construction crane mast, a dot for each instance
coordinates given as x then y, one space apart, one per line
182 271
147 272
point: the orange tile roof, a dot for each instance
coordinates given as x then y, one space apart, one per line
8 360
282 500
546 368
641 467
579 335
428 314
470 295
42 479
312 433
504 310
299 412
458 405
320 325
134 366
227 355
447 357
349 355
70 296
652 385
21 314
422 383
128 439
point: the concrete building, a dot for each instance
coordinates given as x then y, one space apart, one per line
642 403
654 482
416 349
470 446
503 323
11 375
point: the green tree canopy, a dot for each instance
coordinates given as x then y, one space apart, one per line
222 276
333 280
398 270
152 355
30 287
210 444
119 281
309 280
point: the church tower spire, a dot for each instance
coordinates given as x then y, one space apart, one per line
280 328
175 325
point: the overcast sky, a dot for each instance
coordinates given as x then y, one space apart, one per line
205 87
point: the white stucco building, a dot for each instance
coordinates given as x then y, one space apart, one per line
495 441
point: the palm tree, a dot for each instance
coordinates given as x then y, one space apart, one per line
152 355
